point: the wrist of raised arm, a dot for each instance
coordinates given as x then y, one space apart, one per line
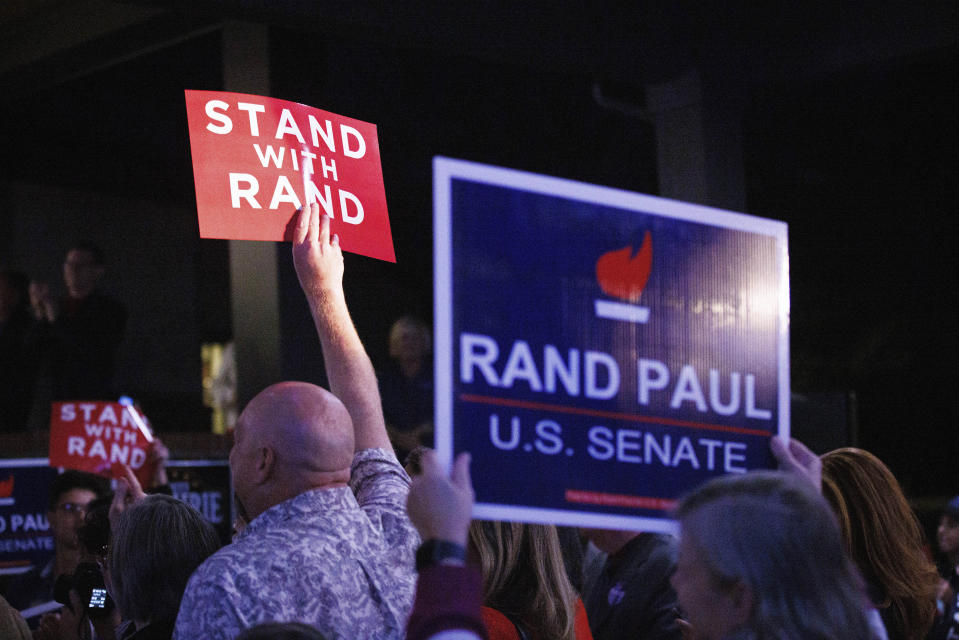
323 298
331 308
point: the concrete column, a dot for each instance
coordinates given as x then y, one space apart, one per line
676 109
254 282
698 141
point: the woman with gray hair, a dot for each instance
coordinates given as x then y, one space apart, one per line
157 542
761 557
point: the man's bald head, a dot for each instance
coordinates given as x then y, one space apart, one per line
309 434
307 424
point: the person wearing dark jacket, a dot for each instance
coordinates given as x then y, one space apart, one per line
631 596
80 334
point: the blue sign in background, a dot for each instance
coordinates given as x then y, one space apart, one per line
523 268
25 537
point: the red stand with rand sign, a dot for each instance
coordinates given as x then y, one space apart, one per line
257 159
97 436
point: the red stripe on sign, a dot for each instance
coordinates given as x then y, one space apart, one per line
619 500
598 413
14 563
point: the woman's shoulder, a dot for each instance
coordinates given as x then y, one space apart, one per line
498 625
501 627
582 622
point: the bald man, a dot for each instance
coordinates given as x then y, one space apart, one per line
328 542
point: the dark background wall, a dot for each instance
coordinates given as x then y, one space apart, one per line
862 165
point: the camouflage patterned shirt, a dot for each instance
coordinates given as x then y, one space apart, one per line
339 559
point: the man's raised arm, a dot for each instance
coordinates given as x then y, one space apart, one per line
319 266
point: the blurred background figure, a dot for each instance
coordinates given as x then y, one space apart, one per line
884 539
947 535
80 333
406 386
761 556
525 586
18 351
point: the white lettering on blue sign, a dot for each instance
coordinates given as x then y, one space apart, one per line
596 374
598 377
638 447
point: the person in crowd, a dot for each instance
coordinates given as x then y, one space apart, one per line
406 386
631 595
526 576
74 620
884 538
448 591
527 587
70 496
328 542
94 534
947 536
526 592
81 333
761 557
18 351
156 545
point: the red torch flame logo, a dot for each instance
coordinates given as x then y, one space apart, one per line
6 487
622 275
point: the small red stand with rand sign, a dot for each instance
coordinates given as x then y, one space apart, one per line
97 436
256 160
599 352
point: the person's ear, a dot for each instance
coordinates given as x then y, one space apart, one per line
264 465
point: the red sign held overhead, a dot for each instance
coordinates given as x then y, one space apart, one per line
258 159
96 437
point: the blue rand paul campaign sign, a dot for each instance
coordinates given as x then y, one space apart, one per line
599 352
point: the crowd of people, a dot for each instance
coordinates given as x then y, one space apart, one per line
335 539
